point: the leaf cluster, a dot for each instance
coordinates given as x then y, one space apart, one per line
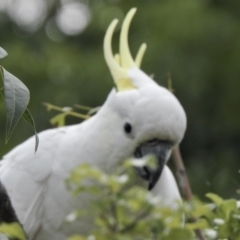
123 210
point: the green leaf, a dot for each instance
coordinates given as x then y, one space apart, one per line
1 96
13 230
227 208
27 116
77 237
180 234
17 97
215 198
200 224
224 231
199 209
3 53
58 120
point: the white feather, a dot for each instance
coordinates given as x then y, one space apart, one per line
36 182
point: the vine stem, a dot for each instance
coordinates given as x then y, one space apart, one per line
184 184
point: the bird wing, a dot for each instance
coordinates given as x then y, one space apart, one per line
25 176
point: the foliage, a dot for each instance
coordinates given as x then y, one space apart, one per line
225 217
13 231
123 210
16 97
60 119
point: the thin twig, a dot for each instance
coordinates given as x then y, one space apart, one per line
169 82
184 184
68 112
83 107
135 221
182 175
108 224
113 209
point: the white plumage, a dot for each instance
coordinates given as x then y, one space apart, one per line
36 183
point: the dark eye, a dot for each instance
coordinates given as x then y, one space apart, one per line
127 127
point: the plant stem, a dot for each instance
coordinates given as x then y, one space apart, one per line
182 175
184 184
53 107
139 217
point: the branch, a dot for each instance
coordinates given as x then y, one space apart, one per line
135 221
182 175
66 111
184 184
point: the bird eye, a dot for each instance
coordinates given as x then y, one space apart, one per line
127 128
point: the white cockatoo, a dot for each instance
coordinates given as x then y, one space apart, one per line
139 117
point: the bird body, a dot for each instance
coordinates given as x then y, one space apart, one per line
36 182
170 193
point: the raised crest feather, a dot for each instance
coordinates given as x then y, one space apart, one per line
119 64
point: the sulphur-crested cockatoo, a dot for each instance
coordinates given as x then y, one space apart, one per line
139 117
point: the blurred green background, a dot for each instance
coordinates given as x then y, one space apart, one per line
55 48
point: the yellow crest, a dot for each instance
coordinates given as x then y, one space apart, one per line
122 62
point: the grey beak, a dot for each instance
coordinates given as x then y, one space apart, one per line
159 149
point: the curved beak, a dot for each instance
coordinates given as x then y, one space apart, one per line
157 148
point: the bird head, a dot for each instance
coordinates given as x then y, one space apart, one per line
151 119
